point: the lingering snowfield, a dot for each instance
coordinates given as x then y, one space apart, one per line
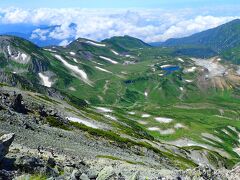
75 60
45 79
167 131
108 59
104 70
50 50
89 124
226 132
9 51
110 117
21 57
72 53
163 119
154 129
212 137
98 63
214 67
129 56
104 110
166 65
179 126
189 70
146 94
75 69
115 52
72 89
162 132
131 113
180 59
143 122
181 88
233 129
187 142
96 44
24 57
188 80
146 115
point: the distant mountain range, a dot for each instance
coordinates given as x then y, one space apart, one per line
223 40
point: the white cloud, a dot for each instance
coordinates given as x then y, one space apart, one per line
40 34
150 25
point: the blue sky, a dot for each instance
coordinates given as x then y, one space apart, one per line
170 4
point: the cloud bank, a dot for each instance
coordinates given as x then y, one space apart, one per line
150 25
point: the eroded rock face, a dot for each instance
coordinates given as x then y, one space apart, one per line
5 141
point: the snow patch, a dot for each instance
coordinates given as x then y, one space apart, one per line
146 115
50 50
72 89
75 60
188 80
110 117
9 51
154 129
167 131
163 119
129 56
166 66
108 59
114 52
190 70
75 69
45 79
233 129
89 124
132 113
72 53
96 44
24 57
180 59
104 110
162 132
101 69
143 122
212 137
146 94
179 126
181 88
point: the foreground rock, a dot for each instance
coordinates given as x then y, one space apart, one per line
5 141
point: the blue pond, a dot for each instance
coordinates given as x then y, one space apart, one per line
170 69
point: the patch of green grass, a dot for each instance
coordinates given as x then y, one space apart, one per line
37 177
46 98
54 122
178 161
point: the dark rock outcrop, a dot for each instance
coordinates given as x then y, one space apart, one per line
5 141
18 104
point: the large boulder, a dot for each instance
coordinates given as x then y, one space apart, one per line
18 104
5 141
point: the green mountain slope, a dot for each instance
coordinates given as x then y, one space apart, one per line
223 40
138 92
125 43
218 39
